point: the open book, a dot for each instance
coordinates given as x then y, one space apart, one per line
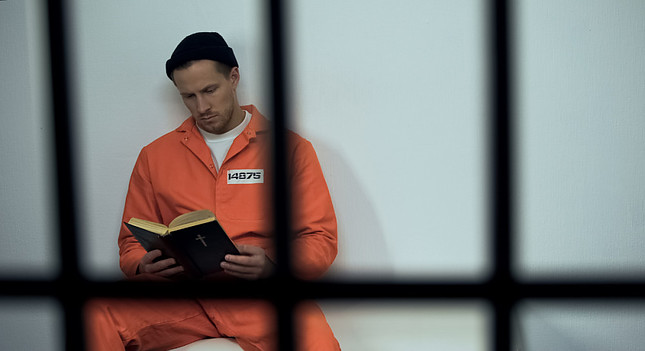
195 240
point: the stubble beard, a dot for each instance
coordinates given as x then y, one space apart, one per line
218 123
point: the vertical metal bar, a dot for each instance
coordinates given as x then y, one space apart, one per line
501 172
70 277
282 191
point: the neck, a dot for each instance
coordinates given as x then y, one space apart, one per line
238 115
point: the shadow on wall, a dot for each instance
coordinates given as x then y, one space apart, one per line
535 332
362 249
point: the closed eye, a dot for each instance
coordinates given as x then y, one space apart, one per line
210 89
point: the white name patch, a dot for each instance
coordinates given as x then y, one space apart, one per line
245 176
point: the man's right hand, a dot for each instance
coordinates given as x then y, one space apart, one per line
164 268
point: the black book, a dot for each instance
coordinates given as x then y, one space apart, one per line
195 240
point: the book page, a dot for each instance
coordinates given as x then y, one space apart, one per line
191 219
149 226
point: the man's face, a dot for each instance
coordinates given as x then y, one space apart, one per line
209 95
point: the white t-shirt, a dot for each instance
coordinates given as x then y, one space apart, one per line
220 143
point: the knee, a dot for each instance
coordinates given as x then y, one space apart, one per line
314 333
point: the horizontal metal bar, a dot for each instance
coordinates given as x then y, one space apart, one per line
300 290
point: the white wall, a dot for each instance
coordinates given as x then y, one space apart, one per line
28 234
582 326
581 142
392 325
392 94
31 324
26 217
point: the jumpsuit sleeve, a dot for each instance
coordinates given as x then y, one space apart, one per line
140 203
314 221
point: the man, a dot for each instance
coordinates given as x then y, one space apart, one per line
199 166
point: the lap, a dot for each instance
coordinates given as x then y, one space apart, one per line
153 324
166 324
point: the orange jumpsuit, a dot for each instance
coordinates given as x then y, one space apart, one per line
176 174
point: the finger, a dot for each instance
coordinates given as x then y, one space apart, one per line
235 268
243 273
149 257
243 260
161 265
250 250
170 271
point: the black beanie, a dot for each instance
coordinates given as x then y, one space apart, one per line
201 46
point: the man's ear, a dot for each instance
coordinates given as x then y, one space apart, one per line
234 77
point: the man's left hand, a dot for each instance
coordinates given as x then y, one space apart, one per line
251 264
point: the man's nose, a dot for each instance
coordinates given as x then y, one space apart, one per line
202 105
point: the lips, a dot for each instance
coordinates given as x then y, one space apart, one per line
206 118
